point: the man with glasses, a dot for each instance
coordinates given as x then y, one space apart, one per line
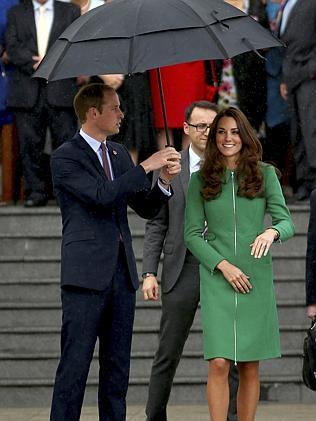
180 271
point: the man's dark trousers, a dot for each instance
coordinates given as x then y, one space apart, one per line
87 315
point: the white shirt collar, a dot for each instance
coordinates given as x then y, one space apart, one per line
194 160
49 5
95 144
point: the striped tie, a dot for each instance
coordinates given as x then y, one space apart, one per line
105 162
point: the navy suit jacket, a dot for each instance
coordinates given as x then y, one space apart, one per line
94 211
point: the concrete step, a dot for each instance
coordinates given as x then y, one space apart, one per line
26 339
47 339
147 313
188 390
287 288
18 244
37 244
20 266
43 290
44 365
46 221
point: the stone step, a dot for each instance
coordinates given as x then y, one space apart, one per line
46 221
37 245
20 266
47 339
25 339
49 313
43 290
187 390
19 244
43 365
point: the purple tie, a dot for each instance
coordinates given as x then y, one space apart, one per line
105 162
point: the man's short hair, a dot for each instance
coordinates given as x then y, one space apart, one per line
91 95
207 105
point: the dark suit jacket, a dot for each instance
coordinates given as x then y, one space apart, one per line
21 45
165 232
299 61
311 254
94 211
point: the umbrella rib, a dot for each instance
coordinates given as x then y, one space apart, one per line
59 60
206 26
251 46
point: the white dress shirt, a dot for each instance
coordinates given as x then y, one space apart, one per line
49 5
286 13
194 160
96 146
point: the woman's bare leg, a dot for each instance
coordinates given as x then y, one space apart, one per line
218 389
248 391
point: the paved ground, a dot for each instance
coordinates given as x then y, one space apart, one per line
266 412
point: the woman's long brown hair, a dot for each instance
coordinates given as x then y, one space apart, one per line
249 176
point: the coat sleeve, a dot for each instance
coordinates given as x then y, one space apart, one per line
311 254
276 207
195 225
132 186
18 49
155 234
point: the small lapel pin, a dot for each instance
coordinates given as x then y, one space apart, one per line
114 152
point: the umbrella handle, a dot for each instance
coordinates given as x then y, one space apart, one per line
163 106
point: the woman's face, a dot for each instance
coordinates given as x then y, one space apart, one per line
228 140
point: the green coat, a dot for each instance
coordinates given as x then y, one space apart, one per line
236 326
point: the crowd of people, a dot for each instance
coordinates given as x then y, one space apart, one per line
277 94
241 154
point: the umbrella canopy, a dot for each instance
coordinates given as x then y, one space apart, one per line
129 36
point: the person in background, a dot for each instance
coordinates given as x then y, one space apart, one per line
180 283
6 69
277 145
297 29
231 194
32 28
94 181
243 78
310 278
182 84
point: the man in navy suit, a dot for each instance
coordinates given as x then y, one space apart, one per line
94 181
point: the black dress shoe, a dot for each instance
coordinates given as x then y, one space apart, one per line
36 202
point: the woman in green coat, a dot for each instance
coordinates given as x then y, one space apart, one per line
231 195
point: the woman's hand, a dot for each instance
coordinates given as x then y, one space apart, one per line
262 243
235 277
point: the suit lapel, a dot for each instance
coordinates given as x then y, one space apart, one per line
115 162
30 19
91 154
185 171
56 30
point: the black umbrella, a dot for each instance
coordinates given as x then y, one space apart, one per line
129 36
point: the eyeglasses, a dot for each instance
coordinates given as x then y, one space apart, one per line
201 127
